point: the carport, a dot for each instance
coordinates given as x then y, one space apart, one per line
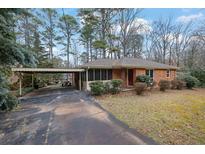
33 71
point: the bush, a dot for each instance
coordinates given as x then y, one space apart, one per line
191 81
115 86
152 84
174 84
143 78
140 87
164 84
177 84
200 75
97 88
107 87
180 85
8 102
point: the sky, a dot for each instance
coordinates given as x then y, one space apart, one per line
150 14
156 13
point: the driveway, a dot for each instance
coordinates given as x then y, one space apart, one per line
63 116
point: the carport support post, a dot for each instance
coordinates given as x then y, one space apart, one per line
86 79
79 80
32 80
20 84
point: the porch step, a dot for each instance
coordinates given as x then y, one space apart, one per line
128 89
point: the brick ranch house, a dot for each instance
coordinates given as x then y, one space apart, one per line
125 69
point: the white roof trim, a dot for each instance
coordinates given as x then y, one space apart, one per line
47 70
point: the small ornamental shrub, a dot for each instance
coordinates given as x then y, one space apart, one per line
115 86
143 78
152 85
191 81
107 87
177 84
174 84
180 85
140 87
164 84
97 88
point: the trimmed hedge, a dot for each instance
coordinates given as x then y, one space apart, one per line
143 78
140 87
115 86
177 84
97 88
164 84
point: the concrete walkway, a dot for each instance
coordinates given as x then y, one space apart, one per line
63 116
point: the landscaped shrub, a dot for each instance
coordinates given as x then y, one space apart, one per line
107 87
177 84
97 88
115 86
180 85
8 102
199 73
140 87
174 84
152 84
191 81
164 84
143 78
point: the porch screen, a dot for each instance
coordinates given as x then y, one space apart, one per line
90 75
97 74
109 74
103 74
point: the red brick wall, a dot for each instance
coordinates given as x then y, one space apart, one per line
159 74
116 73
139 71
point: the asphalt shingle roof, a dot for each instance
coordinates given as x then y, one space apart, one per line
126 63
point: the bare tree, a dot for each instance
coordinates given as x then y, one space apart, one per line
182 36
127 18
162 37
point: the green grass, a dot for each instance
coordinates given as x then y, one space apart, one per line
172 117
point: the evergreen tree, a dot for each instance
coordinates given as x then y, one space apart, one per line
11 53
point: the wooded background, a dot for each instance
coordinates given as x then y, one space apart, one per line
107 33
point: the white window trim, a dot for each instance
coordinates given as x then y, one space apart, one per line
167 73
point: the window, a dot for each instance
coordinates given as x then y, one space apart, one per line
109 74
97 74
90 75
103 74
168 73
83 76
150 73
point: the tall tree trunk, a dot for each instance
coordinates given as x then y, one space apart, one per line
68 52
103 30
91 52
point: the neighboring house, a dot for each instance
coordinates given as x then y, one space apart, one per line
126 69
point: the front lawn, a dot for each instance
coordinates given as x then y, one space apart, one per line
171 117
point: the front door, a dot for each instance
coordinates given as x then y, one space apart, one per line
130 76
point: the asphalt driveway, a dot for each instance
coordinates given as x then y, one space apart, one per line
63 116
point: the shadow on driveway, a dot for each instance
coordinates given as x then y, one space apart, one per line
62 116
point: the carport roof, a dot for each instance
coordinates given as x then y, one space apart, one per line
47 70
